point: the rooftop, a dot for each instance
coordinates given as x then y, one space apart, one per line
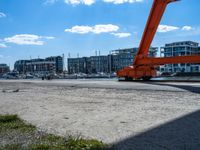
182 43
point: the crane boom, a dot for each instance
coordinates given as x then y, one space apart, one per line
169 60
143 66
154 19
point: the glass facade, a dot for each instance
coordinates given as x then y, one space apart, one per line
183 48
4 68
88 65
116 60
50 64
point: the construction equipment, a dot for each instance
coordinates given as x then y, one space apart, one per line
144 67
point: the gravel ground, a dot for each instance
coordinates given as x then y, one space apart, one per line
132 115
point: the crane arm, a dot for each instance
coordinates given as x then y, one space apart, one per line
169 60
143 66
154 19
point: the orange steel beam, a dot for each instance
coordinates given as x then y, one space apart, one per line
154 19
168 60
143 66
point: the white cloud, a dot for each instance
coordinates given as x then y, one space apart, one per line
2 15
27 39
90 2
77 2
50 1
105 28
121 35
97 29
187 28
48 37
2 45
166 28
79 29
122 1
194 31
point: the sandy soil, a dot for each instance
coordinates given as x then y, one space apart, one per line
110 111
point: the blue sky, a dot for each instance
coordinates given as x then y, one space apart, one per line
41 28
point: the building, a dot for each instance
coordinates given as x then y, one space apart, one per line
124 57
42 66
198 50
180 49
59 62
116 60
20 66
4 68
77 65
88 65
99 64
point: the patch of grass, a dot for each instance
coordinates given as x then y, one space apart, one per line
39 140
11 147
12 122
52 138
46 147
79 143
8 118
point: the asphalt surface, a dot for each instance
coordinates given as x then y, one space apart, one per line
129 115
165 85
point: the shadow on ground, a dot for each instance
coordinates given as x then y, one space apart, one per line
180 134
189 88
193 89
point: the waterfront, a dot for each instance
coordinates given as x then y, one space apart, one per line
107 110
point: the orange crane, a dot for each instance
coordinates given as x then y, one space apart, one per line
144 67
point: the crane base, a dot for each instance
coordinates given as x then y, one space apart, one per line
136 73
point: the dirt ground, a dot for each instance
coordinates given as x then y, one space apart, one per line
131 115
